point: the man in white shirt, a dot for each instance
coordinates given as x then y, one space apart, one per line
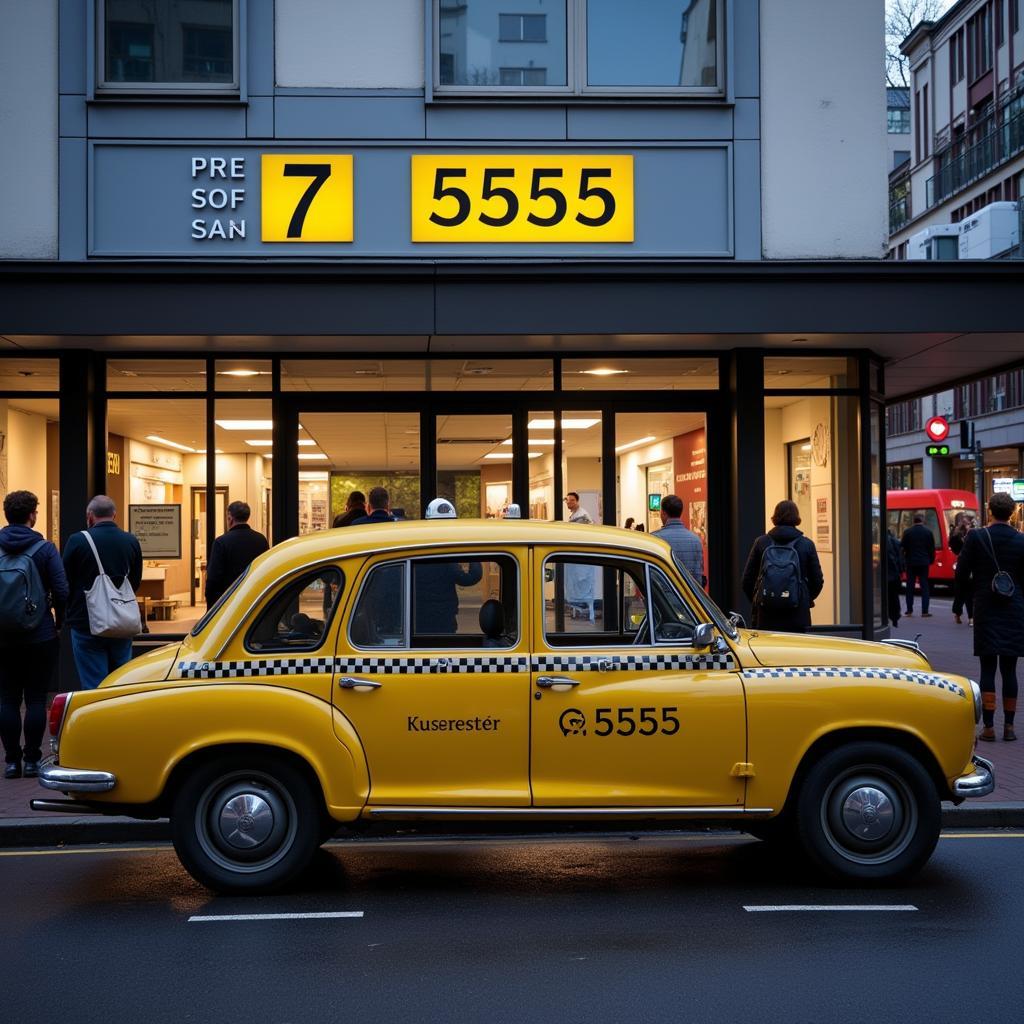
577 513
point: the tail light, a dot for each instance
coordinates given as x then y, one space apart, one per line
58 712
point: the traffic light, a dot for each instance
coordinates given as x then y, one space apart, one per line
938 451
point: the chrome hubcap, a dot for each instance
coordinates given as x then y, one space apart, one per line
246 821
868 813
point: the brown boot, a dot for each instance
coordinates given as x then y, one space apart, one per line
1008 733
988 734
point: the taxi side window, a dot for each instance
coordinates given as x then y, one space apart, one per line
471 604
378 619
296 618
673 620
594 602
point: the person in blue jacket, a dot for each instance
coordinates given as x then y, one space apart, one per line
28 660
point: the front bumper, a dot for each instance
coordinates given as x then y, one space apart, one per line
979 782
74 780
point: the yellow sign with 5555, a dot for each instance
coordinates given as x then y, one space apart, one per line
459 198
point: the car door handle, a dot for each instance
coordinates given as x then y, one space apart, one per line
355 683
557 683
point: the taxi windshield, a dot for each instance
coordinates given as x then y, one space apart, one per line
215 607
714 612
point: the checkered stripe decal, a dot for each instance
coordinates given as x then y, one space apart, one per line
474 664
632 662
249 669
826 672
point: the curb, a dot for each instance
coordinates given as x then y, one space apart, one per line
47 830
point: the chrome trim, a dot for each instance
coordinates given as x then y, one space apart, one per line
980 782
355 683
559 683
63 807
565 812
75 780
909 645
976 694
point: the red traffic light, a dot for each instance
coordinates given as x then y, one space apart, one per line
937 428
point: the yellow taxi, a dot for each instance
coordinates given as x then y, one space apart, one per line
509 672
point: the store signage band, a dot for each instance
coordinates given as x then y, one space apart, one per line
308 197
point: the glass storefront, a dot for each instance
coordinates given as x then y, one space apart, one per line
293 437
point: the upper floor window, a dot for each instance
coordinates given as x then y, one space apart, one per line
579 46
175 46
899 122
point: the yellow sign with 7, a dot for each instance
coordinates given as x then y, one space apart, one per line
523 198
306 197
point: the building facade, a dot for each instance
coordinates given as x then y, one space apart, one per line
958 196
280 251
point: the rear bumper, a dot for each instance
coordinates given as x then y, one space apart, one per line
75 780
979 782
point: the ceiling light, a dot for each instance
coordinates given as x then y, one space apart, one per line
312 457
547 442
260 442
305 442
603 371
567 424
170 444
202 451
508 455
245 424
635 444
313 477
243 373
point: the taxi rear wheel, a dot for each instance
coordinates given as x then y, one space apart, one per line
246 823
868 812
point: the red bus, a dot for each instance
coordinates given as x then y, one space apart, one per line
939 508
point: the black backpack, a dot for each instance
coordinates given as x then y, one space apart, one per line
779 581
23 601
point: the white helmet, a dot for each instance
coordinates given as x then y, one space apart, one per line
513 511
441 508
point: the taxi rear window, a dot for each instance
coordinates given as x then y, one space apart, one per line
297 617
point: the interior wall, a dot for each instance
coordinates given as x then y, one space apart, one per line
632 474
26 462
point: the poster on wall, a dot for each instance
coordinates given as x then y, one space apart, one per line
158 528
823 519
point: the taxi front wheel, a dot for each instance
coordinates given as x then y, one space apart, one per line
868 812
246 823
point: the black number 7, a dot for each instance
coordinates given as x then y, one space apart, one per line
319 173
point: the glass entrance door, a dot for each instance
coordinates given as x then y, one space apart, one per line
474 455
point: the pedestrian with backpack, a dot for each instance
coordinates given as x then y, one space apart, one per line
991 567
32 587
783 575
104 568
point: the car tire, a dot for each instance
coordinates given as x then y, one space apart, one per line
868 812
246 823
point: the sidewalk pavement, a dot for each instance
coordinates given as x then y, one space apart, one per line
947 645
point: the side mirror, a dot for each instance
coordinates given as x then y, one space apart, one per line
737 620
703 634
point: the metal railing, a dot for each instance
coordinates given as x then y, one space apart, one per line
957 172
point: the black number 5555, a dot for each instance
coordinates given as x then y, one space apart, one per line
630 721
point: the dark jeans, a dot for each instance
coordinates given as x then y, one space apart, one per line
894 601
963 597
26 672
919 573
1008 670
97 656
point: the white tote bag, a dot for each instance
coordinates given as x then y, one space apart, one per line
113 611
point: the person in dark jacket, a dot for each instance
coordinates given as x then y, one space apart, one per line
893 571
798 620
379 501
355 508
97 656
435 591
27 661
998 621
918 545
233 551
962 596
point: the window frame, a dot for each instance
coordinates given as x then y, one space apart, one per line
104 89
576 86
407 647
303 578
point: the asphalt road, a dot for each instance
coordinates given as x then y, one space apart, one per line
563 930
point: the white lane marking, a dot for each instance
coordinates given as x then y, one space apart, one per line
275 917
816 907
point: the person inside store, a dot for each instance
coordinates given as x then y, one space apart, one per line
893 572
379 503
962 597
918 544
233 551
28 636
120 555
991 565
577 513
355 508
436 596
783 575
628 525
684 542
